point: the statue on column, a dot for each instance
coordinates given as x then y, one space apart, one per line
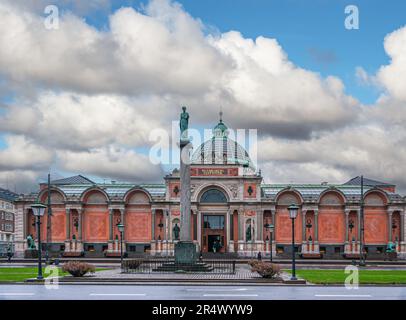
176 231
248 233
184 123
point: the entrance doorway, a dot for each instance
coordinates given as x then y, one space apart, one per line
214 243
213 233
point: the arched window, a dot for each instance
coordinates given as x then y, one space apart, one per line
213 196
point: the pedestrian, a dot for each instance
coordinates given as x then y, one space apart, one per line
9 252
259 257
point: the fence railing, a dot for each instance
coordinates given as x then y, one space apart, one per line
168 265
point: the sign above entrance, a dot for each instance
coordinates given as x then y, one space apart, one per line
216 172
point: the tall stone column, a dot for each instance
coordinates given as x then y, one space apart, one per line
274 226
359 226
304 244
80 224
304 226
111 212
316 232
260 222
185 230
402 235
67 225
153 215
199 228
390 213
80 230
227 226
346 240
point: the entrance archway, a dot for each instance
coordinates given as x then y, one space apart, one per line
213 205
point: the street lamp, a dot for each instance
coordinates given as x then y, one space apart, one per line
293 210
270 227
39 210
120 227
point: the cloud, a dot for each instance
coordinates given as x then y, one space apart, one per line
111 162
22 154
393 76
86 97
76 122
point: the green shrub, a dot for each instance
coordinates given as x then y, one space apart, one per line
78 268
265 269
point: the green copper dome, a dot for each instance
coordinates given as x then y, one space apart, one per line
222 150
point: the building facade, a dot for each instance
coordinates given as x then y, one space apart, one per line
7 214
231 207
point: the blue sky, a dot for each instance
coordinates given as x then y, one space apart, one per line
312 33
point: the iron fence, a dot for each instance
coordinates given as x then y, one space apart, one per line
168 265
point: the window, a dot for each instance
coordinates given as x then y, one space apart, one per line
213 222
213 196
337 249
8 227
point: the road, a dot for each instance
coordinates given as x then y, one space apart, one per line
194 292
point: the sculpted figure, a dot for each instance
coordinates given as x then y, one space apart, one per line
176 231
183 123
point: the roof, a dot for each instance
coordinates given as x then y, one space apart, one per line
79 179
8 195
113 189
368 182
311 192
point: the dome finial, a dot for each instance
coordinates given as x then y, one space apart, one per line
221 114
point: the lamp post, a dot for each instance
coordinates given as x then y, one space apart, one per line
293 210
39 210
270 227
120 227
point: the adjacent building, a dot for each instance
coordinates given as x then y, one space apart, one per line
231 207
7 216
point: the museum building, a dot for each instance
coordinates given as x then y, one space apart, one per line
231 208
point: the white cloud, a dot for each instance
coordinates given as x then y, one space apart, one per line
111 162
393 76
88 96
73 121
22 154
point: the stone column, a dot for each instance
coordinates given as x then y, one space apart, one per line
80 230
304 226
260 219
199 229
347 214
110 242
185 230
153 215
359 226
111 222
80 224
122 218
402 235
390 226
316 232
67 225
227 226
241 235
304 242
25 223
273 234
346 240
